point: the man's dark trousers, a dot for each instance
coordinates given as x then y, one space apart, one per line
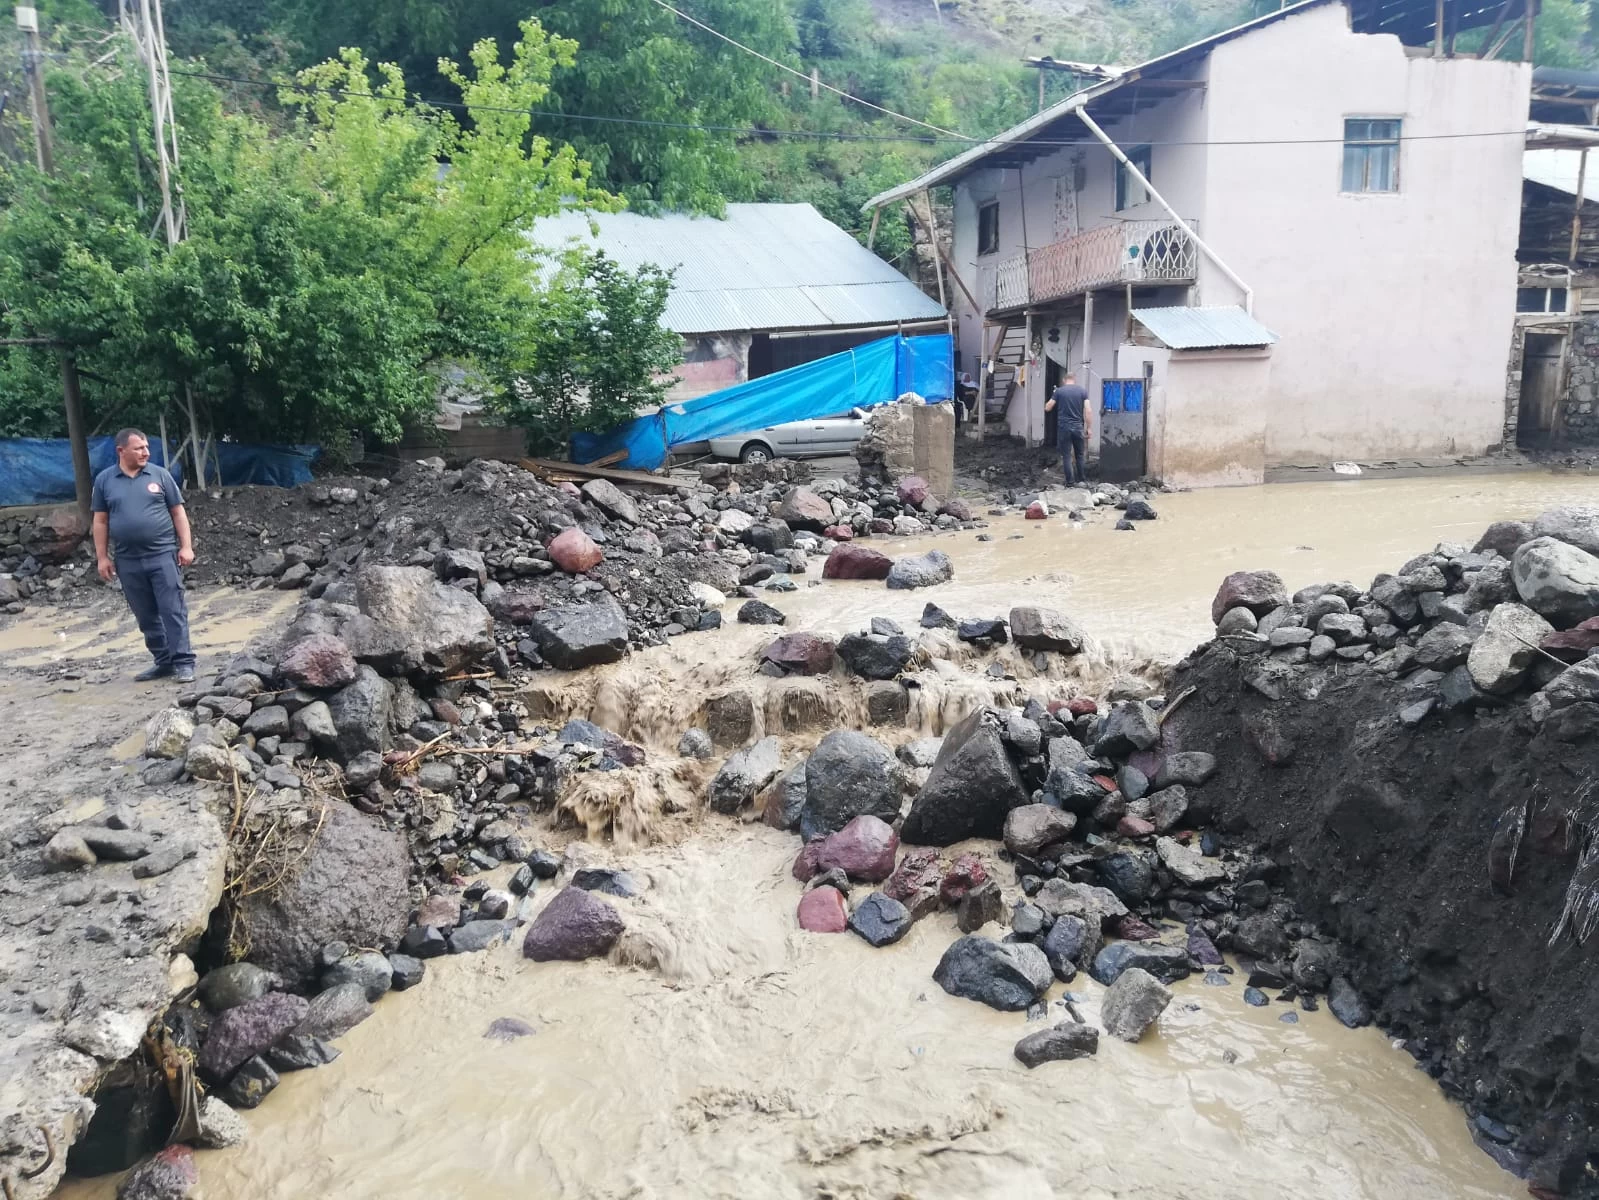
155 594
1071 447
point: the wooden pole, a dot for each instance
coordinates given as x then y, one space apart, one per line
816 83
871 234
1576 208
938 257
1490 43
1027 378
82 480
984 374
1529 30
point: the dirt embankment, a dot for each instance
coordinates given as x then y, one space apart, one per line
1440 856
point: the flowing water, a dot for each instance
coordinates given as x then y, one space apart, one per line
725 1053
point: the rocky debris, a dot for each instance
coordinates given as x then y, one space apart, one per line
980 905
822 910
1009 976
167 734
849 561
800 654
864 850
880 920
972 787
758 612
370 970
170 1175
235 984
1166 963
573 926
246 1030
318 660
1189 866
745 773
1345 1004
220 1126
1060 1043
573 636
921 570
1034 628
1259 591
335 1011
1030 828
848 775
876 655
1500 659
1132 1004
1558 580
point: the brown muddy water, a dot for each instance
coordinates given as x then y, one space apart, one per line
726 1053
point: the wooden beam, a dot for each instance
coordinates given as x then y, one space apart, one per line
1576 207
871 234
1493 32
959 282
1529 30
549 469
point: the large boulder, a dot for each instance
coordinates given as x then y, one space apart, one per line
246 1030
1130 725
848 775
875 655
574 636
1577 526
1132 1004
1504 537
849 561
167 734
1557 580
1166 963
864 850
1034 628
802 508
611 499
1500 659
318 660
409 623
361 713
573 926
350 886
801 653
972 786
1009 976
745 772
921 570
1258 591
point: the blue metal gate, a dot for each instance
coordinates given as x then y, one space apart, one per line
1121 430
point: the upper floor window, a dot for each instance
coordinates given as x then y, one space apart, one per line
1371 155
1541 300
988 228
1129 192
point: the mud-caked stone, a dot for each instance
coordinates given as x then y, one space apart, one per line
801 654
220 1126
612 500
1132 1004
1505 538
973 785
1009 976
1034 628
1261 936
745 773
784 799
1258 591
917 871
1189 867
573 926
1557 580
1444 647
758 612
1063 1042
573 636
1031 827
318 660
241 1033
1576 525
921 570
848 775
167 734
850 561
1190 768
801 508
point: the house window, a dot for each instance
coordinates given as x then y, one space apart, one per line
1540 300
1371 155
1129 192
988 228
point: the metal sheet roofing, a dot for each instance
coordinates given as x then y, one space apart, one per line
765 267
1204 328
1559 169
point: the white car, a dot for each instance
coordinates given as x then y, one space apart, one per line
794 439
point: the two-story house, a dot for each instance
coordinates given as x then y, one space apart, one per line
1291 243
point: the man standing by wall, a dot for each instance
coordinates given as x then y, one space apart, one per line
138 509
1072 427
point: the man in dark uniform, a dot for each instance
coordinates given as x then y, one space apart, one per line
139 510
1071 427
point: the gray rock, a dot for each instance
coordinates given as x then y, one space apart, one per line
1235 621
920 752
1342 628
1009 976
1396 598
607 880
758 612
1576 526
785 799
1167 807
1096 905
1261 936
411 624
745 773
1345 1004
477 936
972 786
296 1052
1258 591
1130 725
369 969
1034 628
167 856
67 851
1130 874
1166 963
695 743
848 775
220 1126
1190 768
167 734
1068 1040
235 984
407 971
615 502
1189 867
1507 649
1557 580
1286 637
361 714
1031 827
1505 537
582 635
113 845
314 723
874 656
1132 1004
921 570
251 1084
1023 734
979 906
1070 943
246 1030
1444 647
573 926
880 920
334 1012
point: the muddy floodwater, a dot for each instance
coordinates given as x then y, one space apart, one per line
738 1056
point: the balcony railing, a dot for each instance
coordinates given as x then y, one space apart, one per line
1130 252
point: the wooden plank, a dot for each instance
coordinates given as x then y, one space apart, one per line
575 471
606 460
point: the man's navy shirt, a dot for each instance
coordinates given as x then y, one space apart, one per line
138 508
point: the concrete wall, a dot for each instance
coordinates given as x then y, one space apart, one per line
1394 309
1207 414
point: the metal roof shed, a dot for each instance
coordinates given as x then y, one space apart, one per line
1225 327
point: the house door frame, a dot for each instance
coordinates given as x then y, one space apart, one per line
1538 417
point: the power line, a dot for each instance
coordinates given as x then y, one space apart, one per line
810 79
761 132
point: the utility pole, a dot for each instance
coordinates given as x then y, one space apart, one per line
44 149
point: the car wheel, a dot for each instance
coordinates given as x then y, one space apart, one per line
755 452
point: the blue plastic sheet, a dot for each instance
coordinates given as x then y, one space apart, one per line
39 470
876 373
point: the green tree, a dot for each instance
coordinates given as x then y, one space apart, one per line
606 355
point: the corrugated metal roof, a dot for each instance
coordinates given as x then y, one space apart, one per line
1558 169
766 266
1204 328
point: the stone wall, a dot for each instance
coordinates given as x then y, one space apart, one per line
1581 416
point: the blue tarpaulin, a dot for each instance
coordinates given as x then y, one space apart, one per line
876 373
39 470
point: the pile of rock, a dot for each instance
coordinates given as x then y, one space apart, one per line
42 556
1516 613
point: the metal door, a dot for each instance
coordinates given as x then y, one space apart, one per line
1121 430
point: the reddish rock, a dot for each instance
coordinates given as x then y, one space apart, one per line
318 661
516 606
571 489
57 534
439 912
957 508
967 872
856 562
1038 511
1135 827
573 926
1133 929
170 1175
1104 781
1573 645
574 551
1081 706
801 653
838 533
821 910
1258 591
913 489
880 525
864 850
923 902
918 870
